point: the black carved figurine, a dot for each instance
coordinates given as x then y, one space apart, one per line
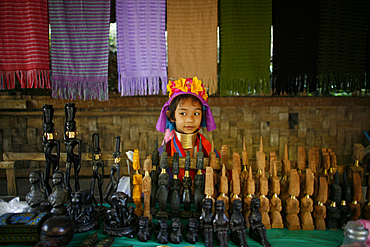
60 194
257 230
332 211
176 234
163 183
199 182
49 143
114 172
238 234
163 235
154 176
206 222
143 234
71 141
345 210
192 235
186 193
221 224
175 188
38 193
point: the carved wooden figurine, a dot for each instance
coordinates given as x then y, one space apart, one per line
261 163
248 199
192 228
301 167
216 177
244 174
163 235
319 209
114 172
235 182
345 210
206 222
238 234
49 143
186 193
137 182
176 234
333 165
147 187
154 176
143 234
199 181
284 184
60 194
209 188
257 230
275 201
221 224
38 192
312 165
163 183
307 203
97 178
175 188
265 202
292 203
224 189
333 212
325 163
357 196
358 155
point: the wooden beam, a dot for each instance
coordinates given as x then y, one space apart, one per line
13 104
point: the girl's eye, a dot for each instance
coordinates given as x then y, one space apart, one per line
182 113
196 114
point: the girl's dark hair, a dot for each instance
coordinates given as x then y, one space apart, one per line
178 99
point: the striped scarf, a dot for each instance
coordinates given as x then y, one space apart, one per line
24 42
80 48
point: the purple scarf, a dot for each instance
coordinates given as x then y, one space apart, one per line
80 48
141 46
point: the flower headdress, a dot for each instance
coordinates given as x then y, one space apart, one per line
186 86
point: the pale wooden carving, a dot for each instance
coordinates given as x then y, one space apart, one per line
357 196
251 187
307 203
147 187
286 167
224 189
265 203
319 212
275 201
292 203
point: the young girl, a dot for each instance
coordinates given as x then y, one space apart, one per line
181 118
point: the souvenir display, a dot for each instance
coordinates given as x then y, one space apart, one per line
120 220
71 141
147 183
50 145
175 188
97 178
221 224
186 193
82 211
257 230
60 195
114 172
137 183
37 197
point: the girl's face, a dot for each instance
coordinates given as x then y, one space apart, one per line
188 116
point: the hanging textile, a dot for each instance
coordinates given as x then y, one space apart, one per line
245 28
342 45
24 44
367 81
295 46
141 46
192 40
79 48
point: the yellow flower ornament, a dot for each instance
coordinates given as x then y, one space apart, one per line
194 86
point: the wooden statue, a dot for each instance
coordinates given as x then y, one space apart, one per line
235 178
332 211
224 159
60 194
305 216
292 203
312 165
358 155
250 184
319 210
97 177
163 183
206 222
273 165
186 193
137 182
325 162
209 187
345 210
261 163
163 235
192 235
114 172
38 192
147 187
265 203
224 189
237 225
275 201
221 224
154 176
216 177
199 182
244 174
333 165
284 184
301 167
357 196
257 230
143 234
176 233
175 188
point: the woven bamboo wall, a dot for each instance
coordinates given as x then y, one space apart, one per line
336 123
